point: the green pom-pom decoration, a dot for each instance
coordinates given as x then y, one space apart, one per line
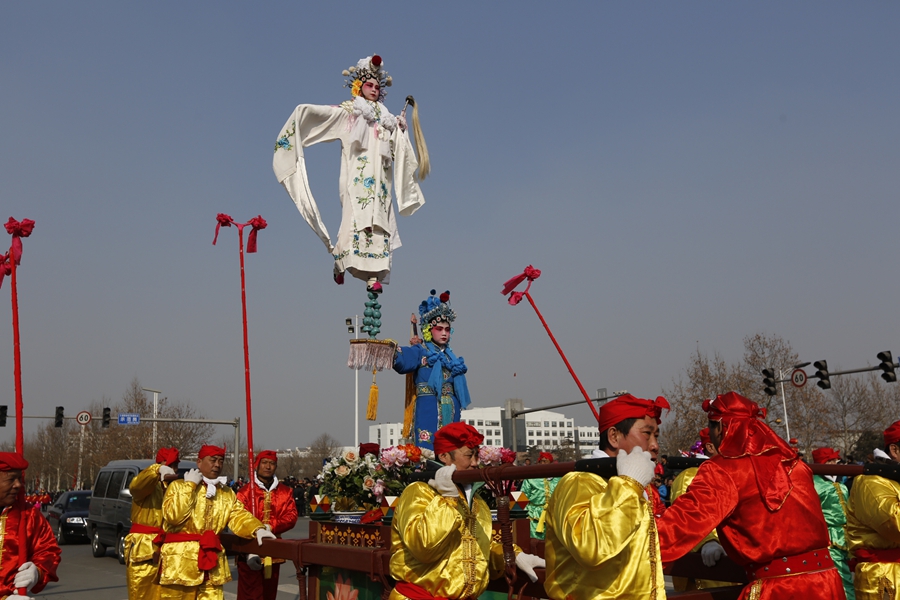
371 313
376 314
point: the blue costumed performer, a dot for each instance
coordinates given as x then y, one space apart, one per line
439 375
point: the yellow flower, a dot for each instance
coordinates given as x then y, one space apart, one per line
354 89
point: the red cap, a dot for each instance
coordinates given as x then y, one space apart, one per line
454 436
704 436
629 407
12 461
823 455
369 449
892 435
546 455
270 454
206 450
167 456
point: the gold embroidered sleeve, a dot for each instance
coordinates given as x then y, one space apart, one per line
145 482
242 522
596 520
427 522
178 504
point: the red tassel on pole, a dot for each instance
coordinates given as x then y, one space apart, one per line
256 223
531 274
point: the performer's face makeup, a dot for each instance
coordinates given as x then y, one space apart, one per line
370 90
211 466
440 333
644 433
10 484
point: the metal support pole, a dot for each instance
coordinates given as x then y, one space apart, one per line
80 454
156 394
787 427
237 445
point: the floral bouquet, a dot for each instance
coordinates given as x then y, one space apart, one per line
398 463
349 480
355 482
493 456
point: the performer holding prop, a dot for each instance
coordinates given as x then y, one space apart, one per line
440 375
375 154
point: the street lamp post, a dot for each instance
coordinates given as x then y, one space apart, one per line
156 394
353 328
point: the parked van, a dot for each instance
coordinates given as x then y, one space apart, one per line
109 513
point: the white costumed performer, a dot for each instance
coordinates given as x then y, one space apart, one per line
375 153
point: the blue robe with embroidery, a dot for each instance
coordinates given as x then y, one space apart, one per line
434 407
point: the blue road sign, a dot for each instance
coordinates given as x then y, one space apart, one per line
129 419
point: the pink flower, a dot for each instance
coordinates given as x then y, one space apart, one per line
343 590
368 483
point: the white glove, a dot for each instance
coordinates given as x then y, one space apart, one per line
254 562
27 576
527 563
638 464
165 470
263 533
711 553
194 476
443 482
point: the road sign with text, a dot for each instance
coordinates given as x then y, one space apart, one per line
129 419
83 418
798 377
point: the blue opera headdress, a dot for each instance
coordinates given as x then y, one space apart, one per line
436 308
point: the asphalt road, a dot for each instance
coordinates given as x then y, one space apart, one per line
83 577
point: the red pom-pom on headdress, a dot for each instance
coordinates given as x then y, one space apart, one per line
376 60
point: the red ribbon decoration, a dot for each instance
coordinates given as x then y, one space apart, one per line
222 220
5 267
257 223
18 229
530 273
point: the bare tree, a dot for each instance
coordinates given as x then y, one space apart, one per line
323 448
810 413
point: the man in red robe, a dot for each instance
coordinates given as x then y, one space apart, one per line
276 508
760 497
42 553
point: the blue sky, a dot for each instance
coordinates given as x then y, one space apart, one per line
683 174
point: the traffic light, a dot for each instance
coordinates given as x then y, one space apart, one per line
105 418
887 365
822 373
3 410
60 416
769 381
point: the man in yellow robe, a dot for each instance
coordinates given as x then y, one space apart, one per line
441 540
192 562
147 491
601 535
873 529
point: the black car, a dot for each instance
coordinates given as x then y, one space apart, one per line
67 515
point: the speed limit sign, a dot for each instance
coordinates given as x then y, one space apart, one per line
83 418
798 378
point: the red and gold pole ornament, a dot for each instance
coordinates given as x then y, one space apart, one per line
256 224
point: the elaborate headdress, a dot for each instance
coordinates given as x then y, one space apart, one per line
436 308
370 67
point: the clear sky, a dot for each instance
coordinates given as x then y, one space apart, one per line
684 174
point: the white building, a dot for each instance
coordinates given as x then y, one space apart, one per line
542 429
386 434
